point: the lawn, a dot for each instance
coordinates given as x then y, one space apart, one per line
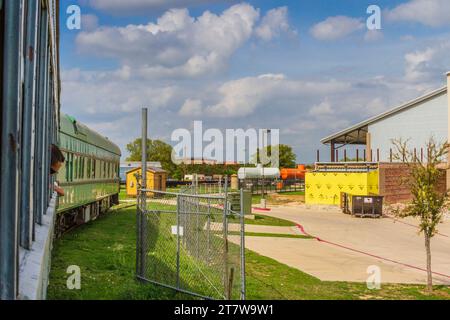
263 220
123 194
105 251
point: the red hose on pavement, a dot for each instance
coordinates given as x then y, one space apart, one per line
302 229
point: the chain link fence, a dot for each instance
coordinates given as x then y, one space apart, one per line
192 243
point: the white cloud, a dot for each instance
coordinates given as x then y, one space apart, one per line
178 44
417 64
422 66
334 28
434 13
324 108
101 93
273 24
242 97
121 7
191 108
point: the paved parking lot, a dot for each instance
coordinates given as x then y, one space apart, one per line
350 245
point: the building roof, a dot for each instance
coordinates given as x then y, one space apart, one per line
137 164
149 169
71 127
356 134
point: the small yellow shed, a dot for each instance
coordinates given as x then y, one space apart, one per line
156 180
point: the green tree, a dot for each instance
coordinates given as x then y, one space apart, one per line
286 154
157 150
429 202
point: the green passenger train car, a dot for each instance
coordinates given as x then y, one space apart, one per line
90 176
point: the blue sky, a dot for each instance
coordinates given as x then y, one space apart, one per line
308 68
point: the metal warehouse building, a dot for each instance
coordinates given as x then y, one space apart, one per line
376 173
416 120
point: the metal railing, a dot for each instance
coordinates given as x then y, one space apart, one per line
260 186
191 243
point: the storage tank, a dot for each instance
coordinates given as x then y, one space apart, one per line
257 173
291 174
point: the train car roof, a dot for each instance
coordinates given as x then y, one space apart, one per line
72 127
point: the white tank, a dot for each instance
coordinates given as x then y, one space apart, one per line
257 173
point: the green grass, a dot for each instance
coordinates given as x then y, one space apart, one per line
123 194
268 279
293 193
256 199
105 251
262 220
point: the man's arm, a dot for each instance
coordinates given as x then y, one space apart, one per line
59 190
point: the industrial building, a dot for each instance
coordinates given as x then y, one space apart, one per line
416 120
378 174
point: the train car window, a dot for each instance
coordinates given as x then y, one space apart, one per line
75 171
88 171
67 166
83 163
80 167
71 167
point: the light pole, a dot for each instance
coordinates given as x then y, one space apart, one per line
263 201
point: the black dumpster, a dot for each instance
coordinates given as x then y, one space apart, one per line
362 206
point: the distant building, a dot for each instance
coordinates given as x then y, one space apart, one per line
128 165
192 161
190 177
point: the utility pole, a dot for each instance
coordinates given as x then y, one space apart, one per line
143 198
263 202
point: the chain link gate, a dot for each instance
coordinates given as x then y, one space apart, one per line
191 243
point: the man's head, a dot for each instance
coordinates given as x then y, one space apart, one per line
57 159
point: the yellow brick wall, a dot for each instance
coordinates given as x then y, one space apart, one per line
326 187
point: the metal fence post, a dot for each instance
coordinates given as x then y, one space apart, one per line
225 239
178 241
138 234
208 243
143 222
243 288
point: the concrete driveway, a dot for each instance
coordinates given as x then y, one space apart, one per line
347 246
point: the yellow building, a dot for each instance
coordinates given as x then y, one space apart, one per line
326 187
156 180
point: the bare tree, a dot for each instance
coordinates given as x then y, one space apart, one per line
428 203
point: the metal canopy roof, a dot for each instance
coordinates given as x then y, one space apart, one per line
357 134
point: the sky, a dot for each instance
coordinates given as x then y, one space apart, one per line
306 67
